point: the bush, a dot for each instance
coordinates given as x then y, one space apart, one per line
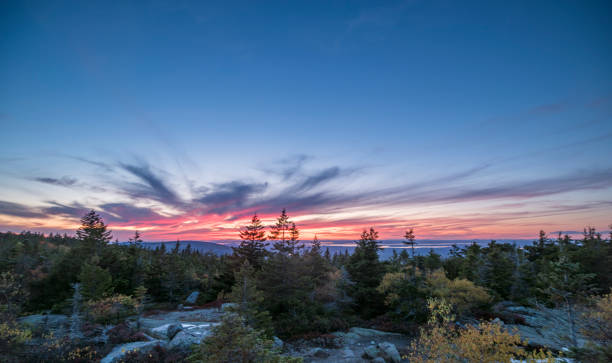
157 354
122 333
441 341
463 294
111 310
234 342
598 330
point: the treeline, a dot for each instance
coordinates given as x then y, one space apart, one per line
284 287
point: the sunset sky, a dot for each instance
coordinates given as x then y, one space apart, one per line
180 119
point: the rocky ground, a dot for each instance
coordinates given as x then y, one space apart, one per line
182 328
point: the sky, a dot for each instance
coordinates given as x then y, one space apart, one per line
179 119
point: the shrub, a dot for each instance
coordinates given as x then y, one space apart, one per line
122 333
598 330
441 341
463 294
111 310
234 342
157 354
12 340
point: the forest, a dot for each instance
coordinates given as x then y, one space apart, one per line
277 288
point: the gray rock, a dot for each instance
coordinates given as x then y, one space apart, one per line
543 327
371 352
347 353
318 353
173 329
160 332
191 334
121 350
389 352
278 343
226 306
192 298
378 360
363 332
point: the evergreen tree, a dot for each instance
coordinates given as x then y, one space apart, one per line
317 266
248 299
96 282
316 245
287 286
409 240
253 246
93 232
286 234
567 284
136 238
233 341
366 271
280 231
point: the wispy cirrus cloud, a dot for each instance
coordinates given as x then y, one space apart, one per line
19 210
151 185
214 209
63 181
230 196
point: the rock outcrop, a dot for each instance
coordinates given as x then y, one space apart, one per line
120 351
192 298
540 326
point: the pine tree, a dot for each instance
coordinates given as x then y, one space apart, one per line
316 245
327 255
286 234
565 282
248 299
136 238
409 240
366 271
93 232
253 246
318 266
96 282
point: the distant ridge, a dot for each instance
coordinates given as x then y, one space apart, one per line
422 247
200 246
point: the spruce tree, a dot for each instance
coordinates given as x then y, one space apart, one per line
566 283
249 299
366 272
286 234
409 240
93 232
96 282
253 246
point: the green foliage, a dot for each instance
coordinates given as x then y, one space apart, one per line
405 294
288 293
462 294
366 272
249 300
253 246
96 282
93 232
233 341
111 310
286 235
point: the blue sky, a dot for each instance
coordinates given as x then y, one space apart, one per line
460 119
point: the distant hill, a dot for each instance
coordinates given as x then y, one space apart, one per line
200 246
422 247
